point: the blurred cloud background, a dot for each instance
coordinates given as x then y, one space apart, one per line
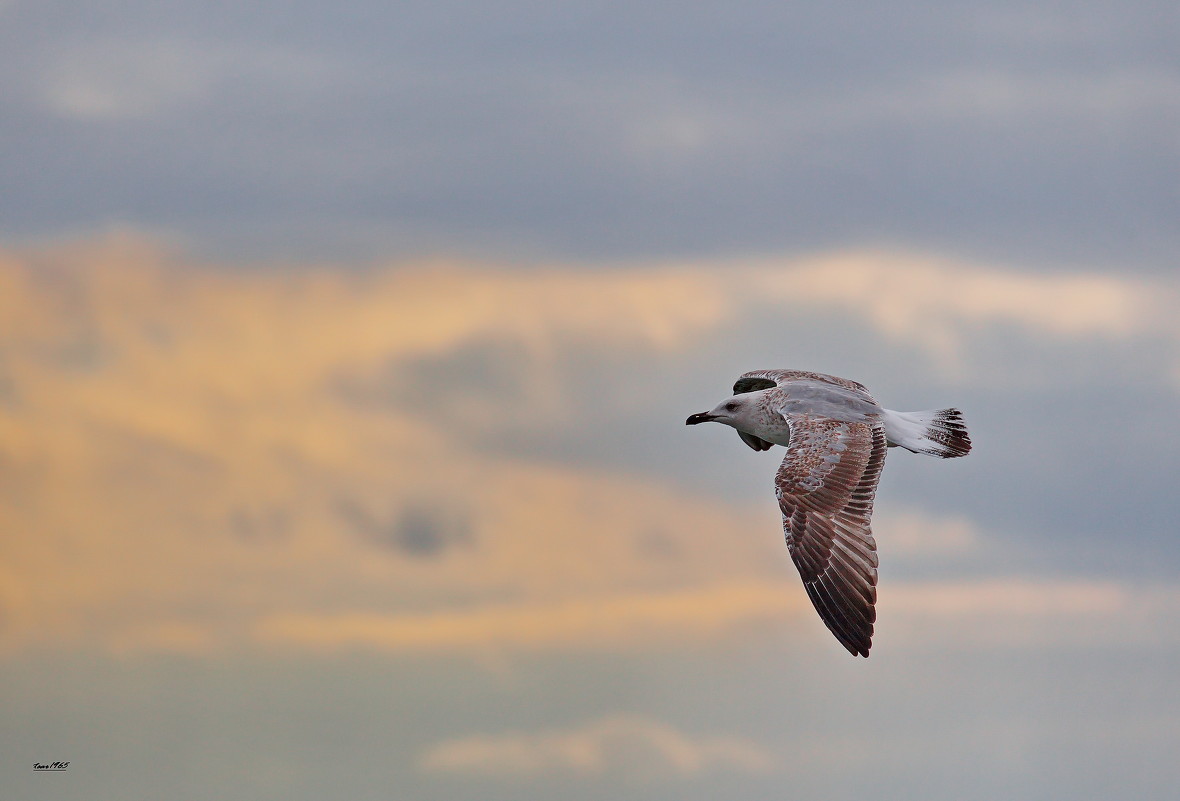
345 352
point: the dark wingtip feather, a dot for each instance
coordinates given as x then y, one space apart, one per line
950 432
857 648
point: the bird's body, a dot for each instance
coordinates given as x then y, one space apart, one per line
836 436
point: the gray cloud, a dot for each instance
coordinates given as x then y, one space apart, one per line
1042 135
492 372
260 525
417 531
922 723
1063 470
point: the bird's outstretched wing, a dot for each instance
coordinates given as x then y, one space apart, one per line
766 379
825 488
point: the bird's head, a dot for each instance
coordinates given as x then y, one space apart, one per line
736 412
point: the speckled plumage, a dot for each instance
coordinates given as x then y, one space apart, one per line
836 437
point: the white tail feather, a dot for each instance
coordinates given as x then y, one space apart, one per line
939 433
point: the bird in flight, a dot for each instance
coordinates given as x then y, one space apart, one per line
836 435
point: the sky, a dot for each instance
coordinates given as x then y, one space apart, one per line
345 353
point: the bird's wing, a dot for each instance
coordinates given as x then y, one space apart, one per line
767 379
756 380
825 488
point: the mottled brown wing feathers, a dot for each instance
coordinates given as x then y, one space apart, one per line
825 488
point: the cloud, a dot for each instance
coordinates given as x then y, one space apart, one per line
1011 598
915 533
168 638
1000 611
666 125
897 290
418 531
217 474
940 305
114 80
1015 612
999 97
977 130
323 459
622 743
618 620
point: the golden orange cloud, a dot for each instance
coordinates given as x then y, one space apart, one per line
177 458
619 620
182 466
618 743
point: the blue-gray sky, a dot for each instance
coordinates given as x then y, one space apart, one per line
1043 134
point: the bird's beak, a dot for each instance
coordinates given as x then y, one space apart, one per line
700 417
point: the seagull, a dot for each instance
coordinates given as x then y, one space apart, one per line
836 436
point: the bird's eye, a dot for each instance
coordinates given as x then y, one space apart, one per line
731 406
